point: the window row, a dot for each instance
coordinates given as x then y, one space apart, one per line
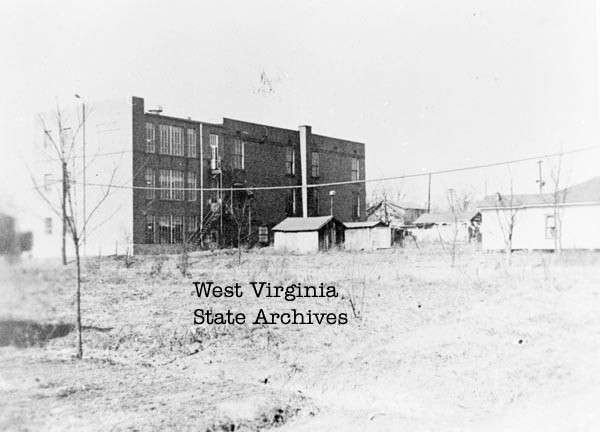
171 185
169 229
237 153
315 164
171 140
172 143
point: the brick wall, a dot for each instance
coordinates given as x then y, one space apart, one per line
265 165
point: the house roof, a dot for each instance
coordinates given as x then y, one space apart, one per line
367 224
441 218
588 191
393 207
292 224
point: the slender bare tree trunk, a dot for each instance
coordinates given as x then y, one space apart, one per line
64 213
239 241
78 300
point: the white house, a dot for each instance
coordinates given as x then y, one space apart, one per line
569 219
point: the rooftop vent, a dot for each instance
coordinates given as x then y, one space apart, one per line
156 110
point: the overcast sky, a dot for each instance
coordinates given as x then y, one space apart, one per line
426 84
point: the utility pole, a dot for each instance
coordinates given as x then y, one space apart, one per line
540 181
429 194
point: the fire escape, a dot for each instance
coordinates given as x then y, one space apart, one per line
215 213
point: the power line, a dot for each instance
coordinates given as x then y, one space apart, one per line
348 182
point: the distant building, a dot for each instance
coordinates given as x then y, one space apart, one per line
13 242
460 227
398 216
569 219
165 158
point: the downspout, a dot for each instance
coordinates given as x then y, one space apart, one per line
201 180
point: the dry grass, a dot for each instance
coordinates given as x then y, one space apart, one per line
428 346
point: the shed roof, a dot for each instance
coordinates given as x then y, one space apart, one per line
367 224
588 191
441 218
302 224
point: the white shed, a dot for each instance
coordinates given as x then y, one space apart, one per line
308 235
367 235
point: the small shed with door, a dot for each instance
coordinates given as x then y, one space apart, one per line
367 235
309 234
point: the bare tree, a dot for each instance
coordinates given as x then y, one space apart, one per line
559 196
239 211
64 151
506 211
453 205
464 199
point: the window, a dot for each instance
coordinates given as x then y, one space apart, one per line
214 193
315 164
171 228
191 143
164 229
191 224
214 140
550 226
177 185
177 141
355 169
355 205
48 225
290 161
313 200
263 234
171 185
47 182
177 224
150 228
171 140
214 150
164 179
237 157
150 138
192 182
165 143
150 183
291 202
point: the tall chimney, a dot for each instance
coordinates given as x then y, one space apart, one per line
305 132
